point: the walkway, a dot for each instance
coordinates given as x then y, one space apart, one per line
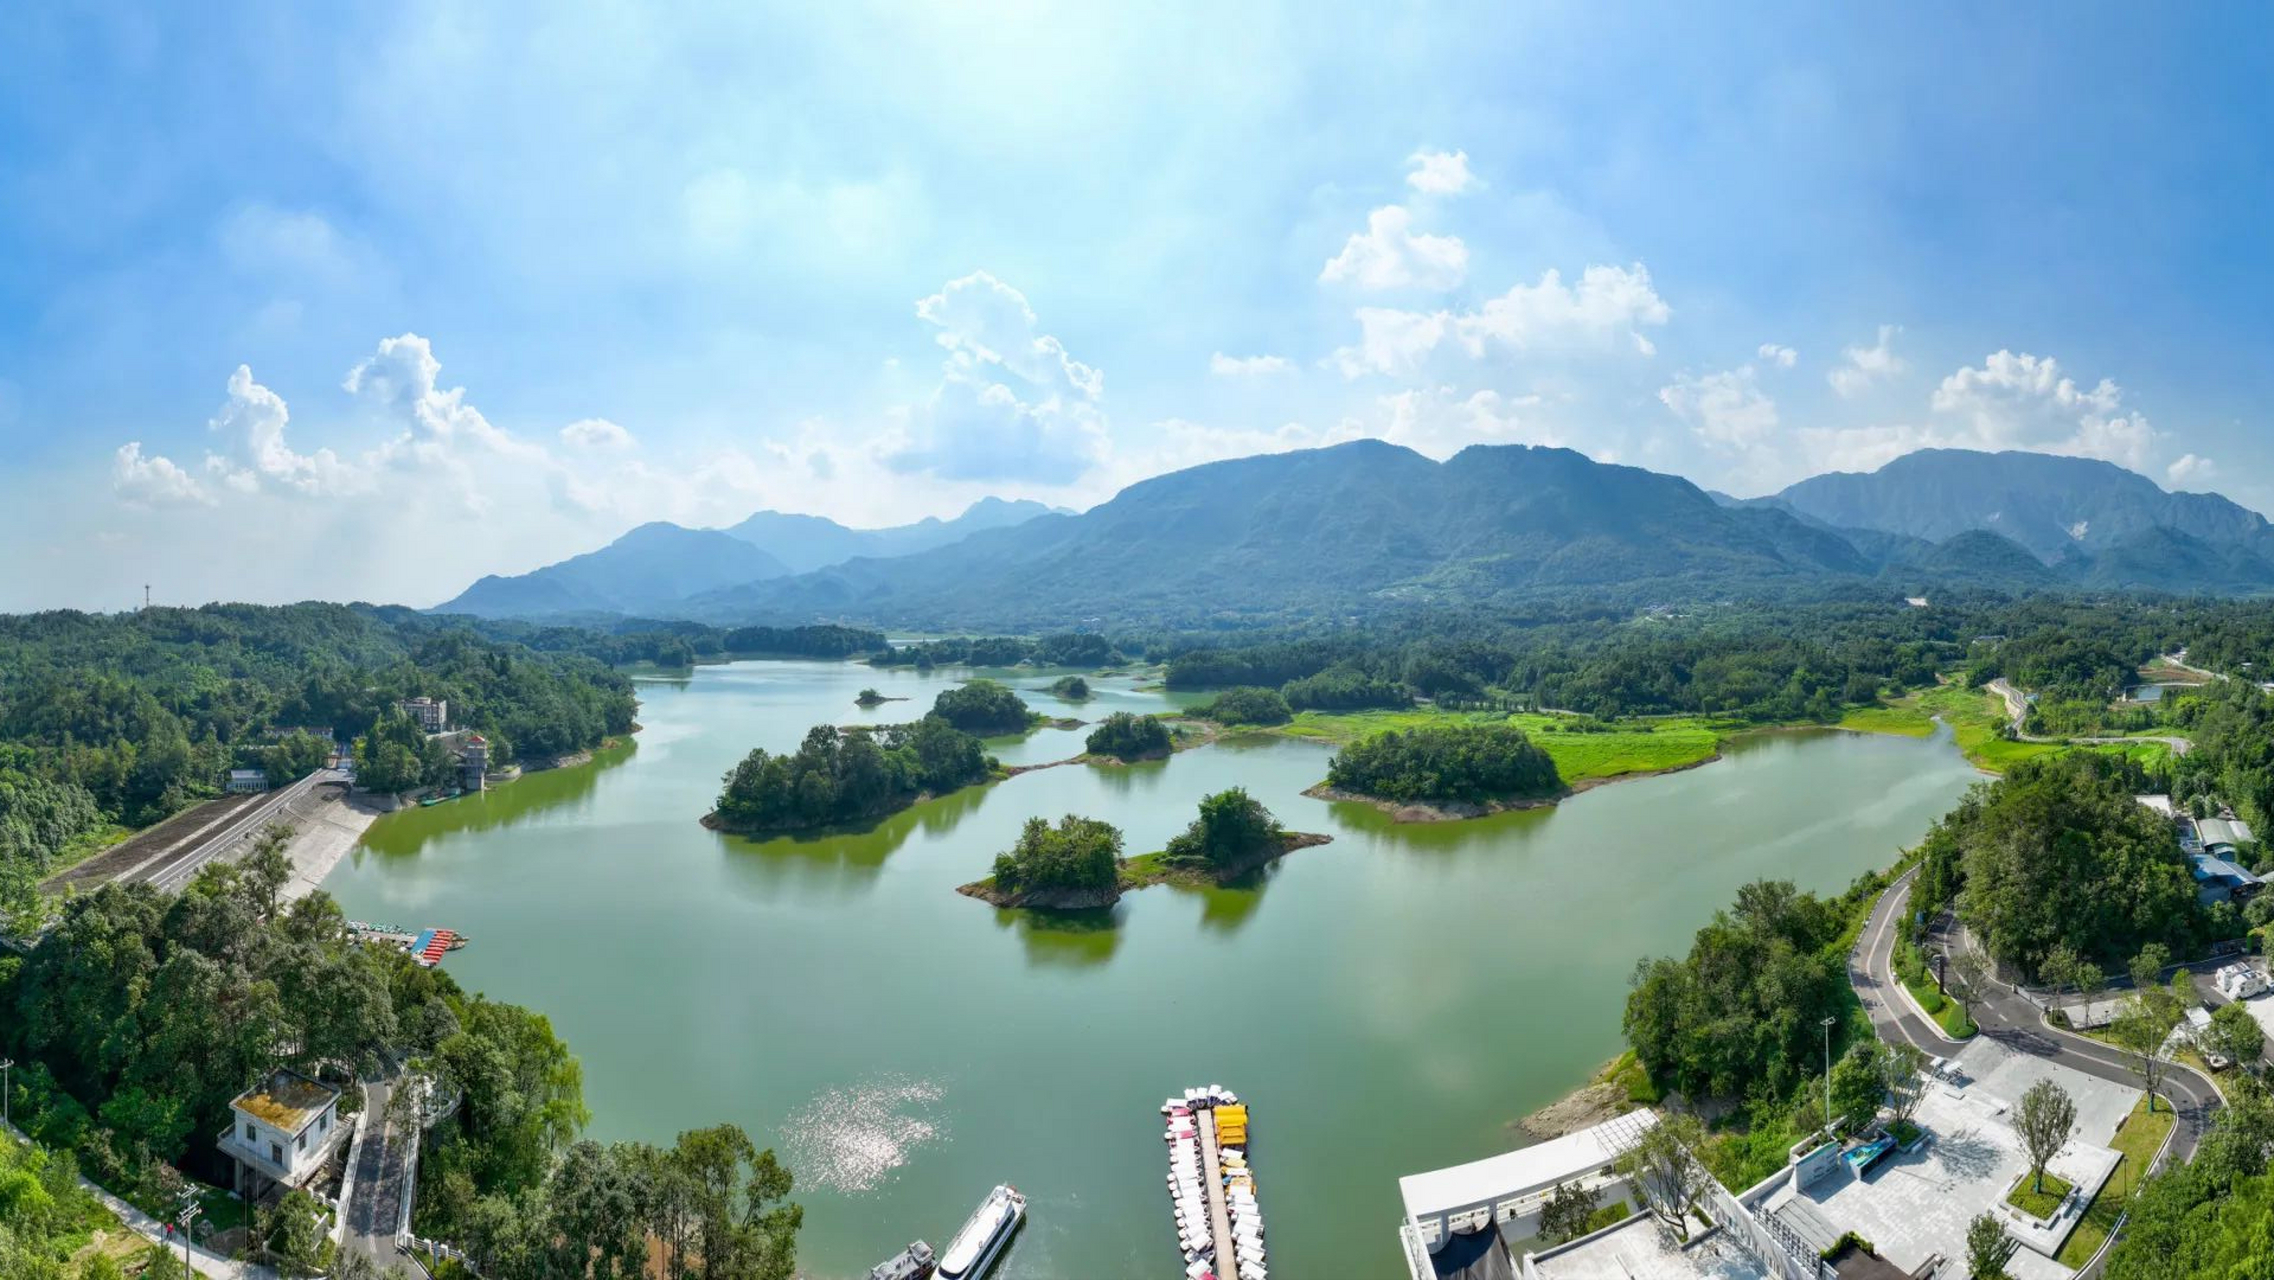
372 1217
2017 707
1219 1219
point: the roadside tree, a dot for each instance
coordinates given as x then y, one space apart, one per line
2235 1035
2044 1121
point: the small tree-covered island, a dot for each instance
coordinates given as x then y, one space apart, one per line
987 708
1077 864
1126 736
1440 772
839 776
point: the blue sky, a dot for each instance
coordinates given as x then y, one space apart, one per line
362 301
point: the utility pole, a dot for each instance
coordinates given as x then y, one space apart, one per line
6 1064
189 1211
145 595
1828 1075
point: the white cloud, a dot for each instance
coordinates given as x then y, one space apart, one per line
1860 367
1224 366
2021 401
976 425
596 433
1606 304
1389 254
298 243
1441 421
153 481
1726 409
2190 469
1438 173
255 454
986 322
1782 357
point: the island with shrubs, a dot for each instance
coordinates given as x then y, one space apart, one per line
1071 688
990 709
1077 864
841 776
869 697
1128 737
1439 772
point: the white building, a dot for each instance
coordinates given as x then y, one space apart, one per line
430 714
281 1132
1505 1193
245 781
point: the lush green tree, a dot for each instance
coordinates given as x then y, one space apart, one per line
983 707
1072 688
1078 853
294 756
1988 1247
1125 735
1473 764
1245 705
1903 1078
2044 1121
838 776
1569 1209
1232 829
1663 1167
2144 1021
744 1226
2235 1035
1858 1085
1344 688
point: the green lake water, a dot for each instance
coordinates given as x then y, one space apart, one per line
1387 1003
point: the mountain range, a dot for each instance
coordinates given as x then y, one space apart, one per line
1369 525
654 568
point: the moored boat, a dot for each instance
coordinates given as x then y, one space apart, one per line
912 1263
981 1241
1211 1189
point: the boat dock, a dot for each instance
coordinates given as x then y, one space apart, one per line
426 946
1219 1217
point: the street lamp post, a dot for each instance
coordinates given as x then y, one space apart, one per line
1828 1075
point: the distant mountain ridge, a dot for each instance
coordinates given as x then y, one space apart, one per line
1326 533
654 568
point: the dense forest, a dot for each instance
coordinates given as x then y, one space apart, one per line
840 776
2057 854
984 708
1472 764
127 718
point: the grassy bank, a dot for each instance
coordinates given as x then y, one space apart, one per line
1623 749
2137 1140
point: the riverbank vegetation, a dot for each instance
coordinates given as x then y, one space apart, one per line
1468 764
1244 706
1126 736
847 775
984 708
1079 857
1067 649
1078 862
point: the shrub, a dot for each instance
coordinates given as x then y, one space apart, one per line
1126 736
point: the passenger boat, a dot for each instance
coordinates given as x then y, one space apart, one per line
975 1248
912 1263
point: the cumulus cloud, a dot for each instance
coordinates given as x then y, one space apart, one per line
1726 409
153 481
2190 469
1606 304
977 425
596 433
251 426
1861 367
1782 357
2024 401
1439 173
1390 254
1224 366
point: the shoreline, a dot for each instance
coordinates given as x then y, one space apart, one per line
323 838
1415 811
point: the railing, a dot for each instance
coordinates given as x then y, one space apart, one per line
1417 1262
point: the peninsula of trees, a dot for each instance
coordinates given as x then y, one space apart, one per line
1071 688
984 708
847 775
1444 771
1078 864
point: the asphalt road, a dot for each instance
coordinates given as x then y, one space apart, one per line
374 1210
2011 1021
173 868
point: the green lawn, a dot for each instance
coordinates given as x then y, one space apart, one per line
1631 746
1941 1008
1904 719
2037 1197
2137 1140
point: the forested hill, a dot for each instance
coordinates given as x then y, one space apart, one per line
132 716
1339 529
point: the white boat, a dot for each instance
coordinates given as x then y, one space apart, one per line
975 1248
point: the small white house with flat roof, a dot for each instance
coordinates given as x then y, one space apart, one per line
280 1132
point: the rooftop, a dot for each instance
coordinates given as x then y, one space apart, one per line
1640 1247
1513 1173
287 1100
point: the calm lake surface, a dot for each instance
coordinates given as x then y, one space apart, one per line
1388 1003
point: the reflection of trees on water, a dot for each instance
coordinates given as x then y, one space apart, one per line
1224 909
1065 939
843 862
542 794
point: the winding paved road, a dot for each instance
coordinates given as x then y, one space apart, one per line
2017 706
374 1211
2009 1020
